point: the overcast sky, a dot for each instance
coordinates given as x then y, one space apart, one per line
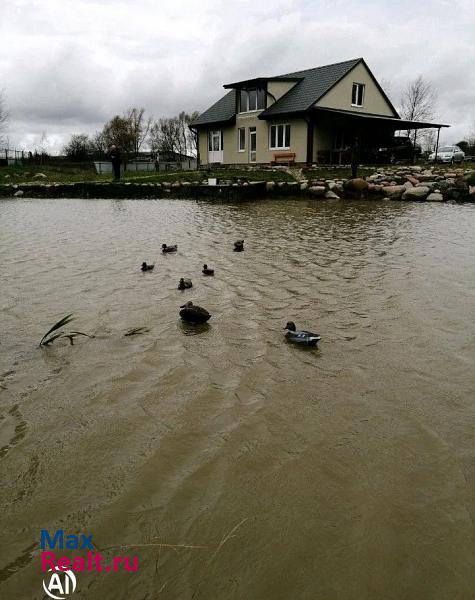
67 66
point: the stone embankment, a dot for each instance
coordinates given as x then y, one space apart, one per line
411 183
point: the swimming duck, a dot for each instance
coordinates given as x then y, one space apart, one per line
146 267
239 246
207 271
194 314
301 337
184 284
166 248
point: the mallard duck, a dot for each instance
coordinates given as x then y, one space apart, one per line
301 337
207 271
146 267
184 284
194 314
239 246
166 248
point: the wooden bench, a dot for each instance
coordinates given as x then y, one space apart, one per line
283 157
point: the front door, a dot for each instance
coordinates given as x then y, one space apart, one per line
215 146
252 144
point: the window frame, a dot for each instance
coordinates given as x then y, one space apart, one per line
243 147
286 133
260 94
359 87
212 134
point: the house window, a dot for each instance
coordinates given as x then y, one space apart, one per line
215 141
242 139
250 100
357 94
279 137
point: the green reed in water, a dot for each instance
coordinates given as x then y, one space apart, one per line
49 337
137 331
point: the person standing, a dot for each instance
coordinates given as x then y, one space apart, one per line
116 159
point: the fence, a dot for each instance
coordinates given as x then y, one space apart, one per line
188 165
10 156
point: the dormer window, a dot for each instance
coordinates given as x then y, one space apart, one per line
357 94
252 99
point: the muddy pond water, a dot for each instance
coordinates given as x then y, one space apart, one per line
234 465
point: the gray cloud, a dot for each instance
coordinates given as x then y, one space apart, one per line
72 65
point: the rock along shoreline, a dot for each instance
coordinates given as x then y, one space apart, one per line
412 183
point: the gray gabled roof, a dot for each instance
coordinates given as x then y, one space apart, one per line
222 111
312 85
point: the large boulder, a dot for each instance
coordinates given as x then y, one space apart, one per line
317 190
394 192
416 193
430 184
435 197
356 185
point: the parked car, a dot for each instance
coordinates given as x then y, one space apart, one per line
448 154
392 150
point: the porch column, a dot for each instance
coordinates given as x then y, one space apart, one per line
310 129
437 145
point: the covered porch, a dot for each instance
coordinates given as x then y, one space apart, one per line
333 135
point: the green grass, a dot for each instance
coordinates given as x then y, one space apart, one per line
70 173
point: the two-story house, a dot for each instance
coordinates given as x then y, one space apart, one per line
311 116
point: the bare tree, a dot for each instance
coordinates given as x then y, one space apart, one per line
174 135
165 136
117 131
470 138
42 147
3 118
191 134
98 144
139 126
79 147
418 102
428 140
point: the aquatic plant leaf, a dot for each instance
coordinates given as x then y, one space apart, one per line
137 331
75 333
63 321
51 339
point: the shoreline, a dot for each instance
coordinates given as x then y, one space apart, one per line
397 183
259 190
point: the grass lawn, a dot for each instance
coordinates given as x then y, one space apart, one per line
56 173
71 174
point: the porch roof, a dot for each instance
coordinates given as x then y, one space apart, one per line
393 122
